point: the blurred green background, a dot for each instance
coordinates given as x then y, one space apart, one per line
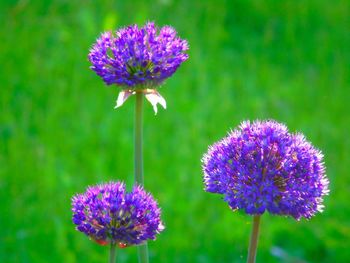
287 60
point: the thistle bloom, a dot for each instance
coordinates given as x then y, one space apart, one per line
138 59
108 214
262 167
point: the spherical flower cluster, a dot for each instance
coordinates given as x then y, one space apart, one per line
138 57
107 213
262 167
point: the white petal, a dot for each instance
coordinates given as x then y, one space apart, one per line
122 97
154 98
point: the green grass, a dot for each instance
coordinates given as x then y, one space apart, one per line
287 60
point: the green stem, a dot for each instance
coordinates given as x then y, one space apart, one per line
254 240
112 254
138 140
142 250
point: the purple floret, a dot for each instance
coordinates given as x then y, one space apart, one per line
107 213
136 57
262 167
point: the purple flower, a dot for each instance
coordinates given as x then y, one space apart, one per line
138 56
138 59
107 213
262 167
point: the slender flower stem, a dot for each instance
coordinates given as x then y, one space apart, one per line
138 139
254 240
142 250
112 254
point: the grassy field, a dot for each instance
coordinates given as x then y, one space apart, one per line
286 60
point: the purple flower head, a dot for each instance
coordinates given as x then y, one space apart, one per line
262 167
136 56
138 59
107 213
